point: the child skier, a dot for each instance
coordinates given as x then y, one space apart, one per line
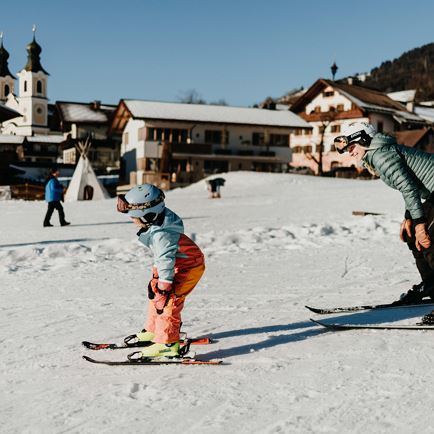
178 267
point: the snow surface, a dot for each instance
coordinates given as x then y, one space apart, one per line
273 243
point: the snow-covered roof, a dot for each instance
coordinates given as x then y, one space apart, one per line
45 139
83 112
399 115
403 96
425 112
10 138
214 114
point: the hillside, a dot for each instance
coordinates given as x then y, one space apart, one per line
412 70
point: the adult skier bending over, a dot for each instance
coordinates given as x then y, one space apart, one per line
178 266
412 173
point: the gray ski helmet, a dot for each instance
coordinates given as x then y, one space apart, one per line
146 199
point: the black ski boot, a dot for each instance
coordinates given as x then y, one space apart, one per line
414 295
428 319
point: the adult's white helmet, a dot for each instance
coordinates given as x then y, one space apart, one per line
142 201
356 132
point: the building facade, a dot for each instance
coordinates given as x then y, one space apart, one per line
182 143
329 106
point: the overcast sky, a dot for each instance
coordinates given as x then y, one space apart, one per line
240 51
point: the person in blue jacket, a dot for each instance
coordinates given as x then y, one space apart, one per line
54 197
411 172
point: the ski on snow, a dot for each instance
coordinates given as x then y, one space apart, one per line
148 362
114 346
326 311
338 326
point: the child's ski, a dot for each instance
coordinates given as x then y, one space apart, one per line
148 362
114 346
326 311
338 326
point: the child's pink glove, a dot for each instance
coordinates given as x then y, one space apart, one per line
163 291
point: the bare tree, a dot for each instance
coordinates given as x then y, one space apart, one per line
326 119
191 96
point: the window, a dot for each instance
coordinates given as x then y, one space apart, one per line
328 93
297 149
175 136
340 108
279 140
317 109
332 108
332 148
257 138
213 136
158 134
25 86
125 139
7 90
39 86
308 149
335 129
150 133
298 131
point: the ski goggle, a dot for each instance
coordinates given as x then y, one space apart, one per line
342 145
123 206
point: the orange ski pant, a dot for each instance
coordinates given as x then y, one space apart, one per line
166 326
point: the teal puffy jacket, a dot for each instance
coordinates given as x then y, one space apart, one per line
405 169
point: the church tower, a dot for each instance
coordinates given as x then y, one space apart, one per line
7 80
32 100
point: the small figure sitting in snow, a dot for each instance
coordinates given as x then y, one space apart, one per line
214 186
178 266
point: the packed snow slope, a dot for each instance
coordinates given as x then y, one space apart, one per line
273 243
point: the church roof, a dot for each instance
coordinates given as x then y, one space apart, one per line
4 56
33 60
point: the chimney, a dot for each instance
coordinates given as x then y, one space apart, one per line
95 105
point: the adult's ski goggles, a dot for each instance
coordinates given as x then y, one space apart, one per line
123 206
344 143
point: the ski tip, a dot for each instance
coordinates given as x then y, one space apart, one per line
313 309
322 324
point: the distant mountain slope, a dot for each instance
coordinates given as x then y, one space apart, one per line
412 70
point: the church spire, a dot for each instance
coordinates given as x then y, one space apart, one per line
33 52
4 56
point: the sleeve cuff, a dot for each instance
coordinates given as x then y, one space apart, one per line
419 221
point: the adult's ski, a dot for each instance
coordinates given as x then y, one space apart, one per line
337 326
114 346
149 362
331 310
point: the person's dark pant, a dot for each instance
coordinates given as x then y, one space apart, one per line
51 207
425 258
